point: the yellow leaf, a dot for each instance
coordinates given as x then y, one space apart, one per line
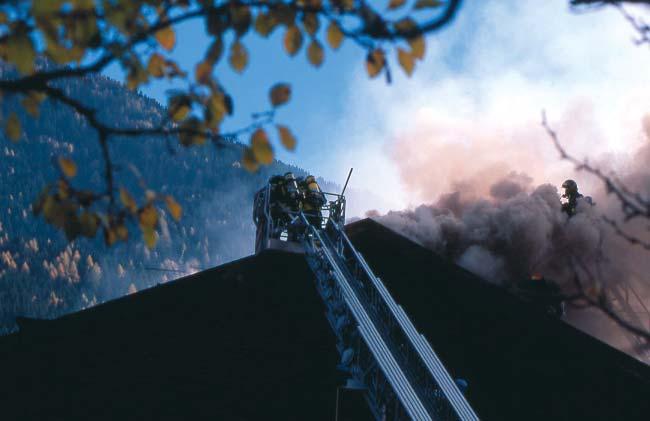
56 51
179 107
110 237
148 216
265 24
427 4
166 37
137 74
83 30
68 167
64 189
248 160
122 232
310 22
286 137
20 51
12 127
292 40
405 25
394 4
89 224
215 110
150 237
85 5
418 47
280 94
406 60
117 17
31 103
156 65
202 72
262 150
53 212
174 208
315 53
238 56
127 200
180 112
375 62
334 35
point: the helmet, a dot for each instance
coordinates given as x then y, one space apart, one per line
310 179
570 185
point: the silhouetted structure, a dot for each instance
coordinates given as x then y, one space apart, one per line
248 340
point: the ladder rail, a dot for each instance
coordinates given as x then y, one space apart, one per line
413 370
430 358
376 344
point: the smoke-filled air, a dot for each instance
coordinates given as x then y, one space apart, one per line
471 173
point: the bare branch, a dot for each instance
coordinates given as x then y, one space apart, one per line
633 204
629 238
600 301
606 2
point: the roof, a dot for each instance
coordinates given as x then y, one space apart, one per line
520 363
249 340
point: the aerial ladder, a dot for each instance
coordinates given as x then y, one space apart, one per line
380 349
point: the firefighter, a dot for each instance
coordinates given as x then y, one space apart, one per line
276 205
291 193
572 195
313 200
291 200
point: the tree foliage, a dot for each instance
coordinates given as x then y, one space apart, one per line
40 273
83 37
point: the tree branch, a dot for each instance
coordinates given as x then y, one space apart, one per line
633 204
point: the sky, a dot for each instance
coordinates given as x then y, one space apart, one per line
471 111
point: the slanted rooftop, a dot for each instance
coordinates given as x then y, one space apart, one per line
248 340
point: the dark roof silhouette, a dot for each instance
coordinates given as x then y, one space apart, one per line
248 340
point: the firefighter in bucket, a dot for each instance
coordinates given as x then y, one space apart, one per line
313 200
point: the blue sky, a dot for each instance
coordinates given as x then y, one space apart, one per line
470 112
316 99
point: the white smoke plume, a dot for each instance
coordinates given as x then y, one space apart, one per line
508 230
459 145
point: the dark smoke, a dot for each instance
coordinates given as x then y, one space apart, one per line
516 232
513 230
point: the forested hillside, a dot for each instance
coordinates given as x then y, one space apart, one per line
43 275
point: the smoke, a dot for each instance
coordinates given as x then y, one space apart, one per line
471 111
505 228
499 224
515 232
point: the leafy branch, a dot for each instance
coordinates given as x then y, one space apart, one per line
79 38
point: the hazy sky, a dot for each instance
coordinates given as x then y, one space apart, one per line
470 112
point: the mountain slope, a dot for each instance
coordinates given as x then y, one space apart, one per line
41 275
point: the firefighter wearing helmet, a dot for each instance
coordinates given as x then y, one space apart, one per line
572 196
313 200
